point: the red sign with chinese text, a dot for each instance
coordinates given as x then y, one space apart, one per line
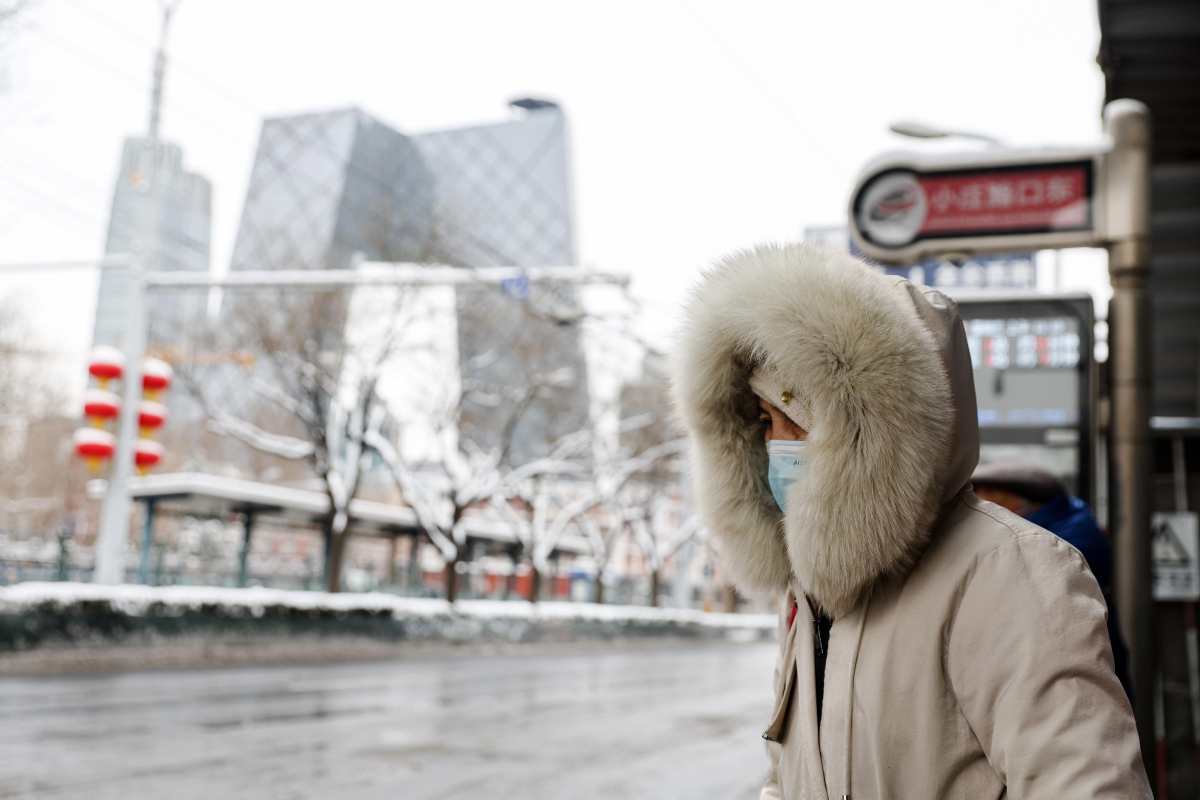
1046 199
896 207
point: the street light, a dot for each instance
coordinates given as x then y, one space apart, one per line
920 130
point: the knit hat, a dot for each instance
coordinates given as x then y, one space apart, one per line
1024 480
767 384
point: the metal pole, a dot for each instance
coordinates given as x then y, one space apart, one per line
381 274
414 578
391 569
147 541
114 513
160 68
115 262
244 553
1127 190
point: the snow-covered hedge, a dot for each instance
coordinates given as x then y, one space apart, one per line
33 614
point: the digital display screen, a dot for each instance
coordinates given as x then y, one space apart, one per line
1025 343
1032 362
1026 371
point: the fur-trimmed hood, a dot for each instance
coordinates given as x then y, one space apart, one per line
883 366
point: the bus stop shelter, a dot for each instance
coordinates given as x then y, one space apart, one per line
218 497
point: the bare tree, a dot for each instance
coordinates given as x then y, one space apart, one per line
10 10
22 382
532 503
40 484
10 13
587 477
614 496
314 394
456 476
28 389
506 432
661 536
603 526
328 393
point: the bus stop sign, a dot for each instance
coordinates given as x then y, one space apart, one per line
911 206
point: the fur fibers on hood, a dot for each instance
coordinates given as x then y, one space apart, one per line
884 368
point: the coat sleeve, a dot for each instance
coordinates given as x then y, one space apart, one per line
1028 656
771 789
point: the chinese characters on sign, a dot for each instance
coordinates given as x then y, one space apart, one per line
1007 271
1050 199
1011 271
897 207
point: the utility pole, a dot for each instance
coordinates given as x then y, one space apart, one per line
168 8
114 513
1127 180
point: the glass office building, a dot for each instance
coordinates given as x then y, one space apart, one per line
163 213
503 198
327 186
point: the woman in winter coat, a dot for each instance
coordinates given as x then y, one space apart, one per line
931 645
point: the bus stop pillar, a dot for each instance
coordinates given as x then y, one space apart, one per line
414 579
1127 183
147 541
244 553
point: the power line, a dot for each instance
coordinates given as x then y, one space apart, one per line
762 86
65 265
291 133
311 142
220 91
45 161
92 217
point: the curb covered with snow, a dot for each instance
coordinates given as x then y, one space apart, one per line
37 614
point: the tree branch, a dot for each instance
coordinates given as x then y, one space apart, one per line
286 447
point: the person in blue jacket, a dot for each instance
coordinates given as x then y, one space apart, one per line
1043 500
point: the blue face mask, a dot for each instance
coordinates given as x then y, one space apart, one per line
786 462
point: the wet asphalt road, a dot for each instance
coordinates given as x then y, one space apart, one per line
654 720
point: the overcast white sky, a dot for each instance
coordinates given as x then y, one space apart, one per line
697 127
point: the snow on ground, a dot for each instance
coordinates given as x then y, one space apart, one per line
136 600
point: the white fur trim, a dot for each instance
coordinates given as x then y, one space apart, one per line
881 410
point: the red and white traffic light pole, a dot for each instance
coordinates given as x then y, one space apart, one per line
137 415
908 207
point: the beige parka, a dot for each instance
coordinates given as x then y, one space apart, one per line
968 656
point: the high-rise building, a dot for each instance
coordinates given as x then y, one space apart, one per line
161 213
503 190
503 198
327 186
